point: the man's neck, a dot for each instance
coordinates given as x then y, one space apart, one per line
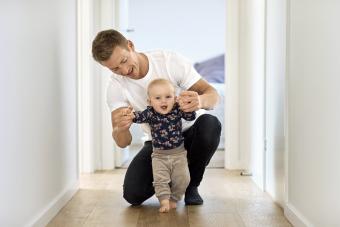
144 64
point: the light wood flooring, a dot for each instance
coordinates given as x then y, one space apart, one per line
229 200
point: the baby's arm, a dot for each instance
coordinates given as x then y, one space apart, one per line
141 116
189 116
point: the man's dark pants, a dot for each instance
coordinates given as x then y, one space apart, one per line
200 140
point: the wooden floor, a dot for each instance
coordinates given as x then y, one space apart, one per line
229 200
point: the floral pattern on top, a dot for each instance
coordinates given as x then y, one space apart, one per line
166 129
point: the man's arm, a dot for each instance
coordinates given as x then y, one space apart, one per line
201 95
121 122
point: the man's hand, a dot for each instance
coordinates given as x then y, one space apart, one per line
189 101
122 119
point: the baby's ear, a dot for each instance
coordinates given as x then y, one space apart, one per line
149 102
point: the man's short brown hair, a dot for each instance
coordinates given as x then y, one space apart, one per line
105 42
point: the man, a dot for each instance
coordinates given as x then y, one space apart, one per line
132 72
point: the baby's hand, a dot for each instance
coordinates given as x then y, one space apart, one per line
128 112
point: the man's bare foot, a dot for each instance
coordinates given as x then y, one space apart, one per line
172 204
165 206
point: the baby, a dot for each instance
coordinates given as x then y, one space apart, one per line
169 158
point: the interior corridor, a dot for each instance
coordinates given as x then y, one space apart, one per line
233 201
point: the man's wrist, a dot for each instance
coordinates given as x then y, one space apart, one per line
115 129
119 130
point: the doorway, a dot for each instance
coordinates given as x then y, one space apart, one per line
197 34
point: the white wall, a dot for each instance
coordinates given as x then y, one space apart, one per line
194 28
314 112
275 78
38 130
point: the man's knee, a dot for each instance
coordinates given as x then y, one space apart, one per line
209 127
132 197
136 195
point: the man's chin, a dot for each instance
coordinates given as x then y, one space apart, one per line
135 77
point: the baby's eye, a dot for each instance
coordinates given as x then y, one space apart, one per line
158 98
168 96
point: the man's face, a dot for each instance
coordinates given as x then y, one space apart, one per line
124 62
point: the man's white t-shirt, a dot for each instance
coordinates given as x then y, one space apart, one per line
123 91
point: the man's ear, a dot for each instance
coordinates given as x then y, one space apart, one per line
131 45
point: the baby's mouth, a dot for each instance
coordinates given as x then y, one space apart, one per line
164 107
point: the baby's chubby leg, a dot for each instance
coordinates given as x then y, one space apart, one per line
180 178
161 176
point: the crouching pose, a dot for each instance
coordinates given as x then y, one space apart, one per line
132 71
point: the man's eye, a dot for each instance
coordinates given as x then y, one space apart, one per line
125 60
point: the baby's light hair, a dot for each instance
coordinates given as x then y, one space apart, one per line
159 82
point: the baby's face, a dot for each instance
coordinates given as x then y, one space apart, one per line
162 98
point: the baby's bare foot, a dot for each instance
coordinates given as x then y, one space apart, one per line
173 204
165 206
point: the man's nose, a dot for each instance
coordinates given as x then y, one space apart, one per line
124 70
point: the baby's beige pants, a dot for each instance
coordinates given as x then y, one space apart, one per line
171 174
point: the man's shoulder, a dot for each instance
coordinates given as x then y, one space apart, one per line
114 81
161 54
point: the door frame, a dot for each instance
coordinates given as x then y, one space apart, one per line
232 157
88 160
95 145
84 90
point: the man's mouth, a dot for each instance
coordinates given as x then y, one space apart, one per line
130 72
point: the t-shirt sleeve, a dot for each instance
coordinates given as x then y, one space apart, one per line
115 97
182 71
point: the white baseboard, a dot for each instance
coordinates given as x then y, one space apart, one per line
51 210
295 217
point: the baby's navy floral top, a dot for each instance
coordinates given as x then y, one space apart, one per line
166 129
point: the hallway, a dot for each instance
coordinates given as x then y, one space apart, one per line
46 63
230 200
